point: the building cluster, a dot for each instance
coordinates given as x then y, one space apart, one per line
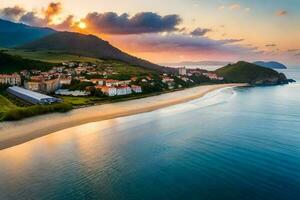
112 87
184 72
58 78
10 79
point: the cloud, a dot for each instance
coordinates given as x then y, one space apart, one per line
270 45
183 43
281 13
32 19
200 31
143 22
52 10
234 6
67 24
297 54
12 13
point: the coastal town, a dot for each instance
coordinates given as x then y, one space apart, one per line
79 79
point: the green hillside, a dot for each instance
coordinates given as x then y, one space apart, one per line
88 46
16 34
244 72
49 56
11 63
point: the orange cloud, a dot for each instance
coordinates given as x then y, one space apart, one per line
281 13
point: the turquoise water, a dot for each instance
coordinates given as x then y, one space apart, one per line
232 144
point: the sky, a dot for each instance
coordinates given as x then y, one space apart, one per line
175 30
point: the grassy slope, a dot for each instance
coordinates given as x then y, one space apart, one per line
49 56
5 104
243 72
57 57
10 63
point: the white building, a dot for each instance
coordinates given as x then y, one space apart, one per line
32 97
108 90
11 79
136 88
123 90
76 93
182 71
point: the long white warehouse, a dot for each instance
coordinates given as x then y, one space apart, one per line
32 97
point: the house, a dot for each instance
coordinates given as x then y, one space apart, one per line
47 86
213 76
80 70
182 71
98 81
11 79
136 88
51 85
167 79
123 90
108 90
65 81
33 85
111 82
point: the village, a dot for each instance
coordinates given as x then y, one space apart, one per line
86 79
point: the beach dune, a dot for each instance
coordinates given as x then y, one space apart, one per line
14 133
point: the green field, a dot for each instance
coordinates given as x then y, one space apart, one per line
49 56
5 104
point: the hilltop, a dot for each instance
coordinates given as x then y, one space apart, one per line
271 64
15 34
244 72
89 46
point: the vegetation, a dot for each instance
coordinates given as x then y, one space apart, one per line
11 64
23 112
5 105
49 56
88 46
243 72
14 109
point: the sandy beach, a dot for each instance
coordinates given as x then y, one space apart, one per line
14 133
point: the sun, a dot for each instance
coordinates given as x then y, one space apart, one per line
82 25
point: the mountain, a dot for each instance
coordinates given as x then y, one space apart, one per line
89 46
11 64
244 72
198 63
15 34
272 64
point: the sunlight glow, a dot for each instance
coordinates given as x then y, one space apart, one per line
82 25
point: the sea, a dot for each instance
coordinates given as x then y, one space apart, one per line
232 144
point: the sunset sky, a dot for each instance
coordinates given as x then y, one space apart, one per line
176 30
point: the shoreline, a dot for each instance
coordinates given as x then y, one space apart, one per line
18 132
